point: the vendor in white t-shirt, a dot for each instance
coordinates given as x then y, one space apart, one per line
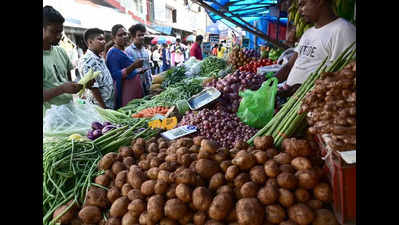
329 36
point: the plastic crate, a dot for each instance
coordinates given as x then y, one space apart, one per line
342 177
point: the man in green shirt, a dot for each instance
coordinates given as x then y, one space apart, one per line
57 82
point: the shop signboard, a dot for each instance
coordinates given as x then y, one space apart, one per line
214 38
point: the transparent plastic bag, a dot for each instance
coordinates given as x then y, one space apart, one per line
71 118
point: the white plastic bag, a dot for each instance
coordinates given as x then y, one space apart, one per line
71 118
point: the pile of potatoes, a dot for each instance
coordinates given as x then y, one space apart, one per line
193 181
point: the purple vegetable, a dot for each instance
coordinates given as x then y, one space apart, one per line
96 126
97 133
106 124
107 128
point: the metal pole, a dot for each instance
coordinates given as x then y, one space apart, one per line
260 34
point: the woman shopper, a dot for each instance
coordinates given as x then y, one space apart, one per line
123 70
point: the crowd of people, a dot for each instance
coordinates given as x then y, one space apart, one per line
125 63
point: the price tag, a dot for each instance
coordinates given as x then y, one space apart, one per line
349 156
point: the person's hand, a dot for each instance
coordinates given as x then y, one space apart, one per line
90 84
71 87
138 63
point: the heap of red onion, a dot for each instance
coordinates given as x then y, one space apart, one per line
219 126
232 84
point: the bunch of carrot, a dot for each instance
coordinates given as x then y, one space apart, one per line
150 112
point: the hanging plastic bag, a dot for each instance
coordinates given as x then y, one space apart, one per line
71 118
257 107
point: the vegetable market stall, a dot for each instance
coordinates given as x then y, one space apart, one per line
130 173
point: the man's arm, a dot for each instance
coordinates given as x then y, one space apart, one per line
65 88
283 73
97 95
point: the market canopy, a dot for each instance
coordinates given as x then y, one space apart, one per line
241 13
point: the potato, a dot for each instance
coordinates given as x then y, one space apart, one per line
199 218
167 165
138 149
261 157
129 219
110 174
202 198
272 168
220 206
90 214
161 139
249 190
126 188
153 147
301 163
96 197
264 142
78 221
183 192
258 175
296 147
135 194
287 168
244 160
121 178
275 214
301 214
268 195
155 162
208 146
140 141
119 207
68 215
323 192
107 161
241 179
151 156
198 139
168 221
171 192
163 175
113 193
324 217
147 188
172 177
155 207
186 176
103 180
184 142
249 212
286 197
271 152
287 180
136 207
113 221
160 187
153 173
118 167
315 204
125 151
282 158
128 161
204 155
206 168
216 181
302 195
307 179
232 172
175 209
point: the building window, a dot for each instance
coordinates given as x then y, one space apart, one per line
199 8
174 15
